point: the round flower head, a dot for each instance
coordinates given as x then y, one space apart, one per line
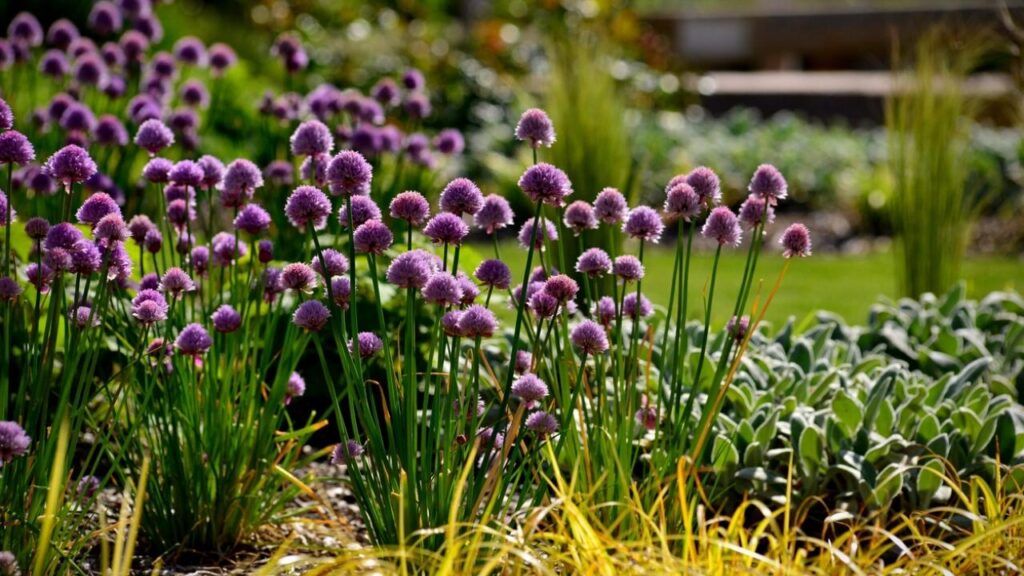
193 340
682 202
450 323
469 289
110 229
113 55
58 259
411 207
368 344
9 289
341 289
194 94
149 282
647 416
412 79
446 228
54 64
494 273
190 50
768 184
13 441
226 319
644 223
561 288
4 207
95 207
417 105
594 262
363 209
61 33
295 387
39 276
279 173
153 241
213 170
385 91
36 228
308 206
630 309
180 213
411 269
86 488
796 241
526 234
461 196
252 219
186 173
347 452
312 138
6 116
63 235
314 169
241 179
589 338
610 206
222 57
535 128
372 237
265 251
542 423
579 216
175 282
336 263
298 277
723 227
9 564
628 268
544 183
754 211
110 131
15 148
449 141
153 136
349 174
443 289
494 214
523 361
157 170
134 44
529 389
477 322
149 307
311 315
543 304
705 183
25 30
105 18
738 329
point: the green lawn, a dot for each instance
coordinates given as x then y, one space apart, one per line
846 285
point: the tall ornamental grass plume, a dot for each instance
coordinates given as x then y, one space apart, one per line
933 202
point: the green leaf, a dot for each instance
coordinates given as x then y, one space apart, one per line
812 451
928 429
847 412
929 479
802 355
724 456
888 485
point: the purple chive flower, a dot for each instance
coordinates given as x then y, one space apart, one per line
149 307
134 44
543 182
628 268
336 263
63 235
295 387
630 309
9 289
644 223
477 322
450 323
226 319
113 55
193 93
265 251
95 207
193 340
241 179
446 228
647 416
298 277
200 256
157 170
153 136
417 105
213 170
222 57
312 138
494 273
705 183
768 184
411 269
372 237
542 423
37 228
180 213
535 127
41 182
347 453
25 30
15 148
4 207
681 201
368 345
411 207
529 389
271 283
111 229
175 282
13 441
54 64
186 173
590 338
461 196
190 50
6 116
153 241
449 141
738 329
308 206
105 18
61 33
412 79
314 169
110 131
385 91
469 289
796 241
86 488
349 174
443 289
579 216
58 259
9 564
311 315
561 288
523 362
526 234
39 276
252 219
754 211
494 214
279 173
594 263
610 206
723 227
363 209
341 289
